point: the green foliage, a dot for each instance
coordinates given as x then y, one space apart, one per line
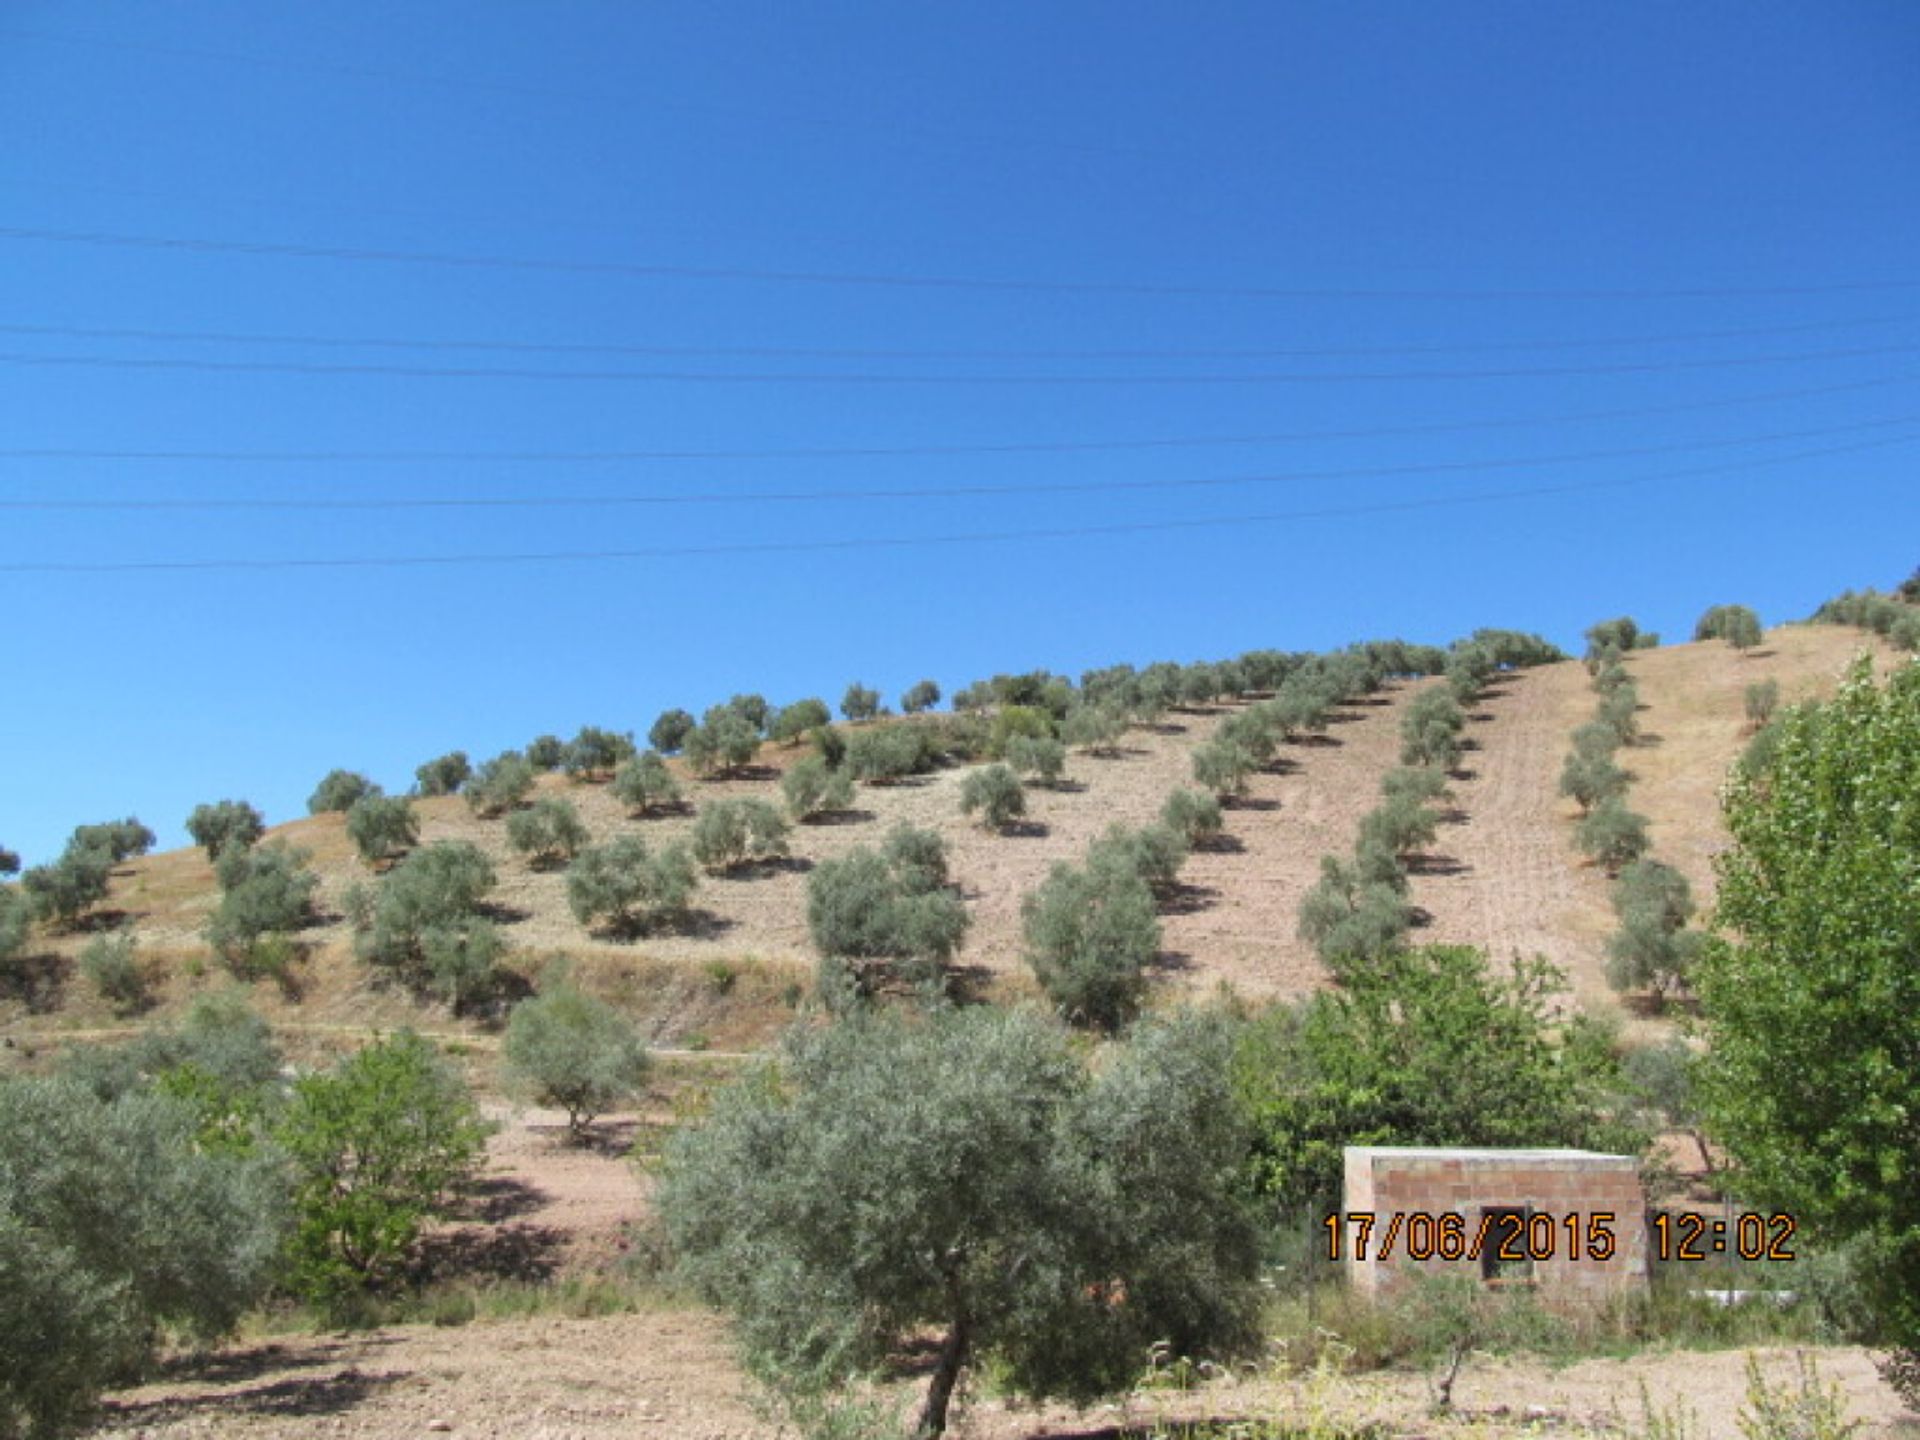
382 827
995 793
445 774
1430 730
225 822
1425 1047
1652 948
548 832
1400 827
1044 760
1415 784
1090 936
670 731
500 784
967 1172
1735 624
112 968
1194 815
1762 698
1222 767
797 719
729 834
859 703
222 1040
118 840
1609 639
1354 920
1591 779
16 913
426 930
62 892
9 861
1469 668
1153 854
881 754
378 1145
1095 729
265 893
594 754
830 745
1513 648
567 1049
1612 836
1617 712
723 742
876 913
338 789
1811 997
546 753
1595 741
812 788
1013 721
921 696
753 709
629 887
645 784
1611 676
117 1223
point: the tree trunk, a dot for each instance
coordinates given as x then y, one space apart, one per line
946 1371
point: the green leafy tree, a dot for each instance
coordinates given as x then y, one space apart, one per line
594 754
859 703
1194 815
1810 995
923 695
969 1174
1010 722
378 1145
112 968
63 892
812 788
645 784
445 774
548 832
337 791
1401 827
1612 836
731 834
225 822
426 929
1044 760
723 742
1413 784
382 827
1611 638
995 794
500 784
266 894
567 1049
753 709
1762 698
1595 741
1430 730
1091 935
1153 853
874 914
1222 767
9 861
629 887
1618 712
1735 624
1590 779
670 730
1094 729
883 754
1652 949
797 720
119 840
1353 920
546 753
16 913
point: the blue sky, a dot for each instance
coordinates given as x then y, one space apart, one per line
1418 243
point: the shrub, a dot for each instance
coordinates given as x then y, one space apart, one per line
338 790
1090 936
112 968
426 929
921 696
378 1145
445 774
753 709
546 753
723 743
500 784
1223 767
16 911
731 833
628 886
118 840
1617 712
1044 760
878 1180
1468 670
1762 699
830 745
9 861
859 703
996 794
1352 922
1415 785
382 827
882 754
1735 624
886 911
1153 854
548 832
645 784
1652 948
1595 740
265 892
920 856
1194 815
226 822
811 788
1013 721
1612 835
795 720
1377 863
594 754
1403 827
62 892
670 730
1610 638
1611 676
1430 731
1095 729
1590 779
567 1049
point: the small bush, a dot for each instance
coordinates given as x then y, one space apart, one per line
922 696
1735 624
1090 936
548 832
670 731
445 774
266 892
500 784
796 720
644 784
16 912
995 793
812 788
1762 699
882 754
567 1049
1612 835
225 822
1094 729
112 968
338 790
382 827
629 887
1044 760
859 703
546 753
594 754
732 833
1223 767
1153 854
1194 815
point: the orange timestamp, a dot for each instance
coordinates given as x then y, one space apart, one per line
1689 1235
1500 1236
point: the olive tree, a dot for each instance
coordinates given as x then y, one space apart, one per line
670 730
546 753
796 720
1222 767
995 793
222 823
500 784
337 791
969 1173
921 696
568 1049
1094 729
886 912
594 754
1430 730
812 788
1352 920
445 774
548 832
118 840
859 703
62 892
883 754
425 927
1401 827
9 861
110 964
730 834
1193 815
1090 936
1589 779
1761 699
722 743
1612 836
1044 760
645 784
1735 624
16 913
265 892
1652 948
629 887
1153 853
382 827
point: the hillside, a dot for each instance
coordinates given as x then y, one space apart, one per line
1503 874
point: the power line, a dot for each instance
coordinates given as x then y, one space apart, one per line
854 377
1073 532
280 250
537 347
876 452
1066 487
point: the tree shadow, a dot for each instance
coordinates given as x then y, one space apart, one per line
827 819
1280 765
1172 961
1313 741
1165 727
1221 843
1371 702
1462 774
1452 815
227 1367
663 810
1418 917
750 772
1024 830
771 865
1115 752
1437 865
1062 786
501 914
497 1198
1249 802
1181 898
516 1251
321 1395
1344 717
38 982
